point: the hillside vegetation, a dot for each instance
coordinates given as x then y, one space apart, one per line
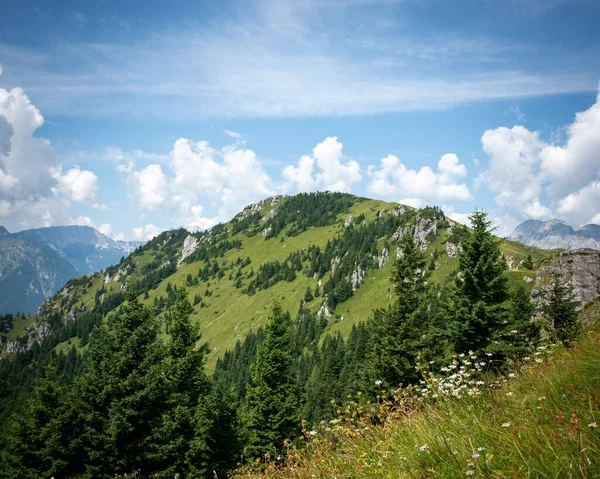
539 421
275 249
114 376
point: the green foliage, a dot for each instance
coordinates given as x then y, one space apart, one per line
272 399
477 305
560 311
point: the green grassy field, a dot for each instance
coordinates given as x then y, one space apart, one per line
228 314
540 421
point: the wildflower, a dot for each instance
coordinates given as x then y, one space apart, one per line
488 354
510 393
505 424
470 472
378 382
511 375
313 432
470 464
475 456
593 425
479 449
424 448
541 398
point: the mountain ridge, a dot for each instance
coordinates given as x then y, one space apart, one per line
338 246
557 234
38 262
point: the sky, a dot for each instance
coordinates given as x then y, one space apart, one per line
141 116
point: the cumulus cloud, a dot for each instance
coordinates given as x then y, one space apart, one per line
105 229
532 178
231 177
33 189
152 186
146 232
77 185
333 171
394 180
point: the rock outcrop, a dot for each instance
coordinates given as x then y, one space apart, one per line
580 269
189 246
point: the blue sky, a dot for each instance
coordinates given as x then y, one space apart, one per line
136 117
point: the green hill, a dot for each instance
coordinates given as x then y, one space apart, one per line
274 249
541 420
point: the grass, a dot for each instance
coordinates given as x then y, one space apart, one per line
229 314
540 424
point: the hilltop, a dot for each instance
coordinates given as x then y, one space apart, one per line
332 244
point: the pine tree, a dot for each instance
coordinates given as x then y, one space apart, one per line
481 288
272 397
560 311
187 386
520 333
216 447
122 394
394 343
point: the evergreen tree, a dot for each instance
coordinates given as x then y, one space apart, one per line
560 311
187 386
481 288
217 446
394 344
520 333
122 394
272 398
27 454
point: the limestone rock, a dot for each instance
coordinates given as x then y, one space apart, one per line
349 221
383 259
189 246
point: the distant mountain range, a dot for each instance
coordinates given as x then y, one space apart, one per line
35 264
557 234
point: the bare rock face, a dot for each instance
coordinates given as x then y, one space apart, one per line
580 269
349 221
324 312
335 262
267 231
452 249
399 211
420 231
356 280
383 259
189 246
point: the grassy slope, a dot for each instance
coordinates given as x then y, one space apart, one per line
230 315
549 412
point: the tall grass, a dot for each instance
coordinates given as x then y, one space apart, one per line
539 421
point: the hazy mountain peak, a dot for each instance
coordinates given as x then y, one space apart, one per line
3 231
556 233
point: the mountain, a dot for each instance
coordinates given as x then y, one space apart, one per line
84 247
554 234
36 263
29 273
294 249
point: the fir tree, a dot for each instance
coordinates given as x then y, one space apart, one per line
481 288
122 394
187 386
272 397
560 311
394 343
216 447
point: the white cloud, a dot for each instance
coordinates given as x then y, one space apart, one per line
233 134
84 221
232 177
78 185
30 194
152 187
535 179
335 172
394 179
105 229
197 221
146 232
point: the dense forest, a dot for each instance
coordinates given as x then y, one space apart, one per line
135 396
